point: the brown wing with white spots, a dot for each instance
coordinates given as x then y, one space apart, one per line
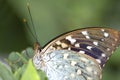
99 43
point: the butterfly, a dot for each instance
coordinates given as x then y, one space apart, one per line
77 55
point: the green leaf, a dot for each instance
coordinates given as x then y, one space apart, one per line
30 73
19 72
28 53
13 57
16 60
5 74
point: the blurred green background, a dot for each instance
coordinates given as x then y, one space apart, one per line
52 18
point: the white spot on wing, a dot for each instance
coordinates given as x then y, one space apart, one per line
84 59
71 39
95 43
103 55
63 45
102 39
89 47
66 66
89 69
77 45
72 75
65 56
60 67
84 33
68 37
65 78
87 37
58 42
73 63
98 60
108 49
79 72
95 72
89 78
82 52
102 30
69 48
106 34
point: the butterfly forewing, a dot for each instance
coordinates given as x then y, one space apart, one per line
98 43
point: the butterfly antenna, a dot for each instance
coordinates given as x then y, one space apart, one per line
28 7
26 24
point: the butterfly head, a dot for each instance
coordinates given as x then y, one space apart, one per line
37 47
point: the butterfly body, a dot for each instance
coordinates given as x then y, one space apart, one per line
96 43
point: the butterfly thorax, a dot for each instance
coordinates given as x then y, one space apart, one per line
38 56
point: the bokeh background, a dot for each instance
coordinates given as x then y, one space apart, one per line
54 17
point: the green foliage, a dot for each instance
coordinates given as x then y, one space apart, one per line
19 72
30 73
21 67
5 74
28 53
16 59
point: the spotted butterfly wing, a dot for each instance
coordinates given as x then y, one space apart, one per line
96 44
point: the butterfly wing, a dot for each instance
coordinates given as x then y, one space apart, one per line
98 43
